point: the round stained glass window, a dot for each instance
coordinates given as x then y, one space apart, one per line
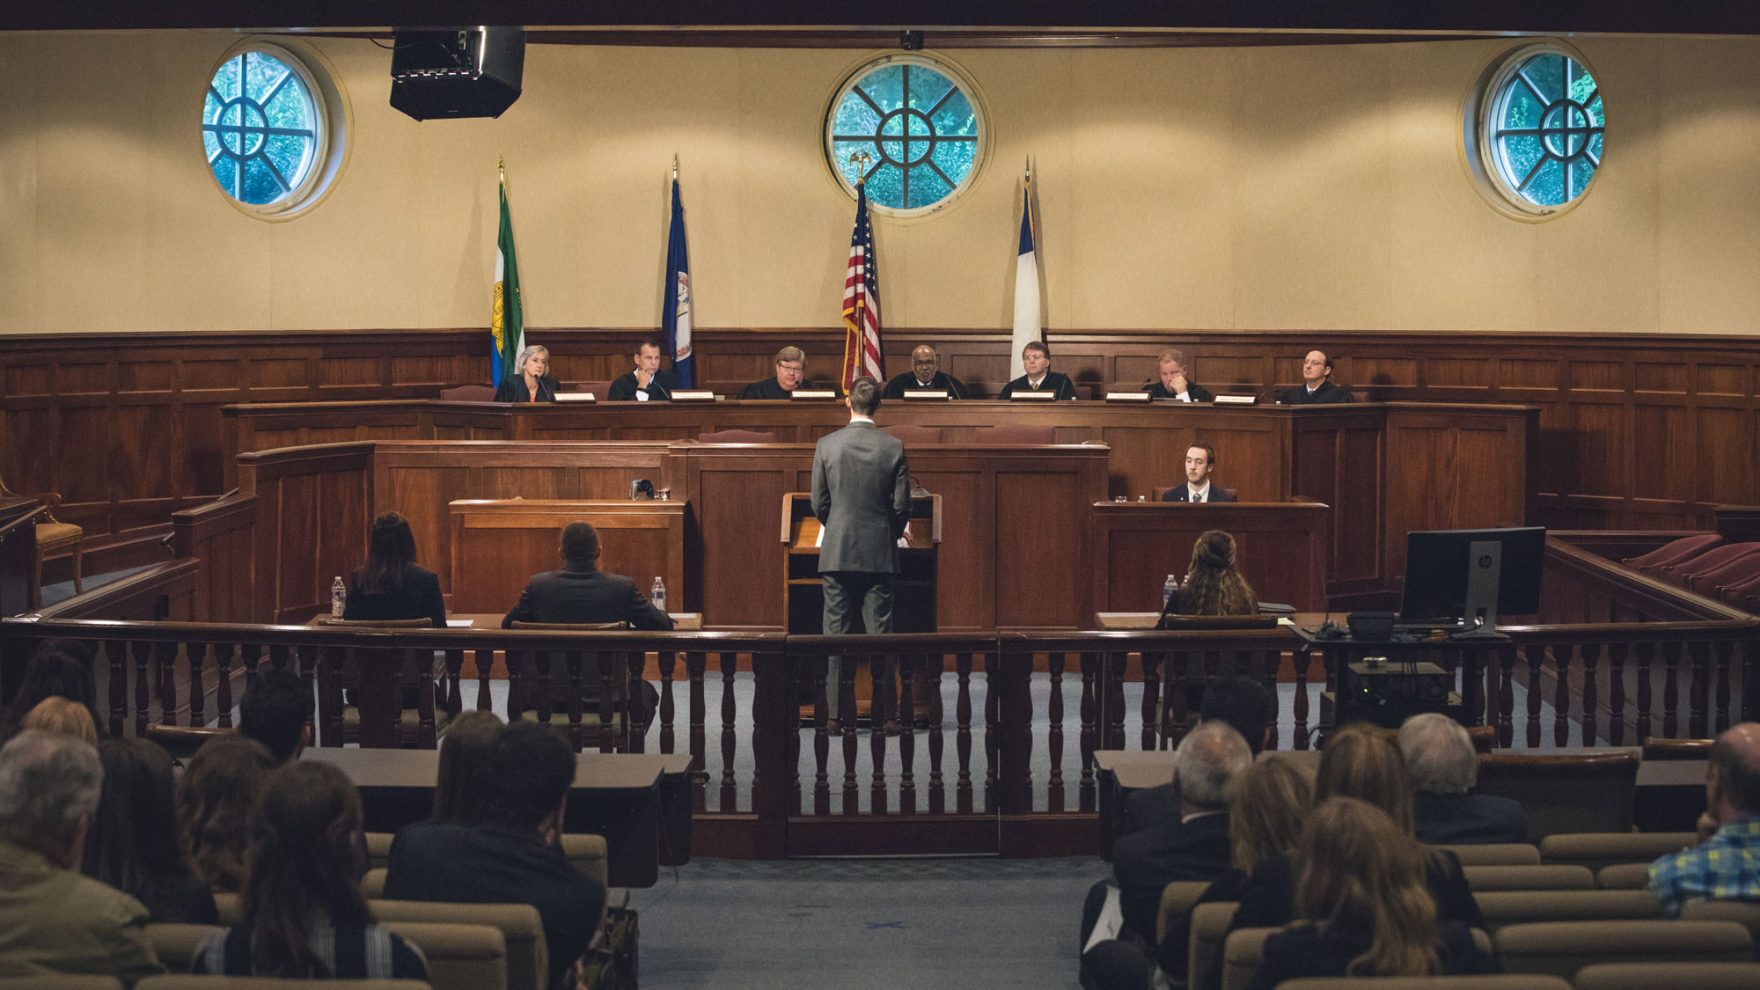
265 129
911 127
1539 123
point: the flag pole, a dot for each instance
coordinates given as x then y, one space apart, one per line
860 160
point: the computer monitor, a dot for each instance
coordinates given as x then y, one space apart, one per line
1465 577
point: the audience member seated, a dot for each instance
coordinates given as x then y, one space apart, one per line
925 375
581 593
1443 766
214 800
1173 383
1200 462
391 585
513 855
304 917
277 712
532 382
1725 865
59 669
791 373
1316 388
62 715
464 752
1361 906
54 919
645 382
133 843
1213 584
1240 702
1036 361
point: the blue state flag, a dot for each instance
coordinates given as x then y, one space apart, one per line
675 310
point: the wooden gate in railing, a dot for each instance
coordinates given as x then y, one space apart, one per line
999 730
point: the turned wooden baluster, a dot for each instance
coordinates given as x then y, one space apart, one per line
331 661
1591 654
223 684
1616 693
695 665
729 799
1085 793
197 657
1115 705
116 655
1724 650
937 780
1265 663
636 697
907 717
485 660
846 715
667 660
572 663
1173 705
427 732
1054 735
1698 692
821 742
1300 660
1646 720
142 690
1533 655
992 709
962 738
1473 668
1561 696
1506 695
879 689
1671 688
1151 702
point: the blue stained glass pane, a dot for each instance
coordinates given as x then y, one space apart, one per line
1595 147
1598 112
248 97
1521 153
955 158
927 188
854 116
885 86
1557 98
955 117
261 73
893 125
1522 110
886 187
1546 72
842 150
1547 189
260 186
289 108
918 125
894 152
1581 173
225 172
226 79
927 86
906 138
288 154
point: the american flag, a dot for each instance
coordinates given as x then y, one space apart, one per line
861 301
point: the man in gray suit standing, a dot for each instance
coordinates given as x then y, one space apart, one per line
861 495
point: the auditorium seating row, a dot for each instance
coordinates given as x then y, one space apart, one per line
1707 564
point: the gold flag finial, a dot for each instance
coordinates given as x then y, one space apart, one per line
860 160
675 166
501 165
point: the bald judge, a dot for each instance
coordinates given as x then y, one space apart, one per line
925 376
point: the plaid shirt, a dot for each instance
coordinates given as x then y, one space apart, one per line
1725 867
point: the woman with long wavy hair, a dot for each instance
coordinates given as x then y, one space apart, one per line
133 842
1362 905
214 799
1213 585
304 916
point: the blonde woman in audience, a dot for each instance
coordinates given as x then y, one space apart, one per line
214 801
1362 906
58 714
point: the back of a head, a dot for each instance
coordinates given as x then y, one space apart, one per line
1208 758
1214 586
580 543
59 668
391 547
464 756
1735 761
1268 804
530 770
305 866
1359 873
1363 761
214 801
133 843
1241 702
47 781
1438 753
275 711
64 715
864 396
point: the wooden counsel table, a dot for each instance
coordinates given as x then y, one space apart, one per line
621 796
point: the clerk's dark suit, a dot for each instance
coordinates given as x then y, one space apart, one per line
513 389
1183 493
624 388
861 496
1327 394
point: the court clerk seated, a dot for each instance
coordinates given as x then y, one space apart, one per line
646 382
1200 462
791 373
532 381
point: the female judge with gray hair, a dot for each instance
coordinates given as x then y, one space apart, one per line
532 383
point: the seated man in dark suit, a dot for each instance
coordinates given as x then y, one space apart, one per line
581 592
1240 702
791 373
1174 384
646 383
1200 461
513 856
1036 361
925 375
1443 766
1316 388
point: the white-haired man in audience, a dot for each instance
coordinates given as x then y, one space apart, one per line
1443 766
1725 865
53 918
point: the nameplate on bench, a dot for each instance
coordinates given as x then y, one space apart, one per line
1127 397
813 393
575 397
697 395
925 393
1236 400
1028 395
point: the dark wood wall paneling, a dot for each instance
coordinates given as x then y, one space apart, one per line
1635 432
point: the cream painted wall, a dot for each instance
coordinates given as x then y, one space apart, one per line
1253 188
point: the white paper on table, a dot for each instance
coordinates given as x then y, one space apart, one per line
1111 920
460 623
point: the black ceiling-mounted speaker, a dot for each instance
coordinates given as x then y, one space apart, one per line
457 72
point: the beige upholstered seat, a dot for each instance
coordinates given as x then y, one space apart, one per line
1598 849
1745 913
1668 976
1177 900
1241 955
373 883
1623 876
522 931
379 849
460 957
1497 854
1570 793
1563 947
54 539
1209 924
1500 981
1513 907
230 908
586 853
59 983
1483 878
185 982
177 945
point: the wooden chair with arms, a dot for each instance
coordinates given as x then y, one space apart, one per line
54 539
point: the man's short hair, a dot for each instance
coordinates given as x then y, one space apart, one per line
864 396
1208 758
653 342
1240 702
1738 773
1208 450
529 770
275 710
792 353
47 780
1439 754
580 542
1037 345
1172 354
1325 360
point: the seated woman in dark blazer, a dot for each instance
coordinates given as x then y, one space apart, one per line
1362 906
390 585
533 382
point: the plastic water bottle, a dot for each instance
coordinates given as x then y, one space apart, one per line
338 598
657 594
1169 588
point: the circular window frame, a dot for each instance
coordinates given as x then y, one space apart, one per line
1475 147
331 107
938 63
